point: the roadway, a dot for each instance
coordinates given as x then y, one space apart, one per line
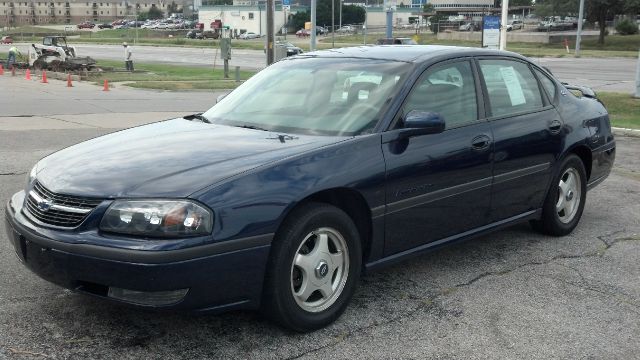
602 74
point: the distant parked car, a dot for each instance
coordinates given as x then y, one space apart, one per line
291 49
469 27
105 26
347 29
303 33
249 35
396 41
515 25
86 25
6 40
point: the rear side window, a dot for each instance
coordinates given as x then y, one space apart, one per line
547 84
511 87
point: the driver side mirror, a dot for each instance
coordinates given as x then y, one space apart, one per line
418 122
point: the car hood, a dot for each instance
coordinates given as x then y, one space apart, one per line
172 158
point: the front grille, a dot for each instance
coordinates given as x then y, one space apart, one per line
58 209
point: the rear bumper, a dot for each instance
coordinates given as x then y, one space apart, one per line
223 279
602 163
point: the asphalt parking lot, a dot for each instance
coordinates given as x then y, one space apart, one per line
511 295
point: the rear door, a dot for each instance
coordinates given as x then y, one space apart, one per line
439 185
527 132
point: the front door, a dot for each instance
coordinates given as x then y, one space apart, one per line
439 185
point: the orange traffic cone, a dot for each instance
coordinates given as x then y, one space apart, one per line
44 77
27 75
1 69
106 85
69 84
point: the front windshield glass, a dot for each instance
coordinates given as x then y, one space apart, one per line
315 96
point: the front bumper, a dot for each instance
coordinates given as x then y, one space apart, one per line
218 276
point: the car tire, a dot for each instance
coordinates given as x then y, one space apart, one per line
563 206
313 269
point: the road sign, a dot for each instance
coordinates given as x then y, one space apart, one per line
491 32
286 2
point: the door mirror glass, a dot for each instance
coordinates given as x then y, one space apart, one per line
424 122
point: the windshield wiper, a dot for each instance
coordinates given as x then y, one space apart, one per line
251 127
198 116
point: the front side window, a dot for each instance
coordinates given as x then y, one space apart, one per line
317 96
511 87
449 90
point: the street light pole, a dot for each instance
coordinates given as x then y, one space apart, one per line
638 78
333 24
340 26
312 46
503 25
579 33
271 12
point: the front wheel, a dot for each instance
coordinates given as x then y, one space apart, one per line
314 268
565 200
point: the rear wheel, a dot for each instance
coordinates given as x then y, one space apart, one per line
314 268
565 200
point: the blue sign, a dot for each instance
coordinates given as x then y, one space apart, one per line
286 2
491 32
490 23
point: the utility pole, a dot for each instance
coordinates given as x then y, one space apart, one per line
638 78
312 46
271 13
389 10
333 24
579 33
503 25
340 26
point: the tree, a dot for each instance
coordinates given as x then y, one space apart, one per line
173 8
602 10
155 13
297 20
556 7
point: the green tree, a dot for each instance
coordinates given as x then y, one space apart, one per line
297 20
556 7
173 8
352 14
155 13
602 10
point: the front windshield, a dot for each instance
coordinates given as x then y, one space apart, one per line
316 96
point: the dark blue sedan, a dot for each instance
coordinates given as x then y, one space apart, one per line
319 167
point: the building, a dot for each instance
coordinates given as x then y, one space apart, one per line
32 12
252 18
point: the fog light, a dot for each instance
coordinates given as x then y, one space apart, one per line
151 298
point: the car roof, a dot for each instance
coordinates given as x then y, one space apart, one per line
407 53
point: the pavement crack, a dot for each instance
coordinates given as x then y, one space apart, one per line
70 122
13 173
596 253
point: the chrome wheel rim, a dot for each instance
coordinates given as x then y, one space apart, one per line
569 195
319 269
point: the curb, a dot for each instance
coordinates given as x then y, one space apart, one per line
626 132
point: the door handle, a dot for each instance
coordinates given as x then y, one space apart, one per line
481 142
555 126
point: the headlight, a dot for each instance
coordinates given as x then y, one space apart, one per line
157 218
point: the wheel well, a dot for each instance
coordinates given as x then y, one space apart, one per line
584 153
352 203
